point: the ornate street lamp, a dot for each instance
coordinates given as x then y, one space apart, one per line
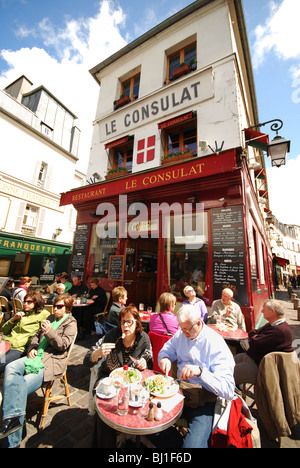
278 148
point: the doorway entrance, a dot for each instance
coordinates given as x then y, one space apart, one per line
141 271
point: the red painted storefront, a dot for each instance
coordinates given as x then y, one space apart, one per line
235 251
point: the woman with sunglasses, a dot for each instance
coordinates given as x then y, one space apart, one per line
45 361
22 327
126 344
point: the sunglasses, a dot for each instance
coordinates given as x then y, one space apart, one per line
28 302
59 306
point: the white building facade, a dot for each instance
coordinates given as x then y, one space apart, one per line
39 144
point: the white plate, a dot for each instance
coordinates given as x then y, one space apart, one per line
171 390
120 370
106 397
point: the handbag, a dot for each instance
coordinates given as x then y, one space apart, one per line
195 395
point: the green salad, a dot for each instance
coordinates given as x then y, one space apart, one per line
134 375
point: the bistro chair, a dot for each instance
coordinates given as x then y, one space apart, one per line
49 307
102 315
17 305
4 303
157 341
46 388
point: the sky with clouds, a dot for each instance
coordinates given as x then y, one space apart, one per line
56 43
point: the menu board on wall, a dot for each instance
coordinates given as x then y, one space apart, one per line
116 267
229 253
81 240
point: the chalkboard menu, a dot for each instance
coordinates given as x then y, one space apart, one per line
116 267
229 253
81 240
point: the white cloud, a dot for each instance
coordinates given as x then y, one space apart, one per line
63 64
280 33
283 184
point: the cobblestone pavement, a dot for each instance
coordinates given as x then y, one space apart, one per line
72 427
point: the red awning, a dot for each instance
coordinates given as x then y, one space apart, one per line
112 144
281 261
175 121
256 139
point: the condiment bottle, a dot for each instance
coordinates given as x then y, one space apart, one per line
150 416
158 414
123 396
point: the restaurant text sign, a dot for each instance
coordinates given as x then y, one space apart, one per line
198 167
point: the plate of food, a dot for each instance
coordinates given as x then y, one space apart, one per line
161 386
134 375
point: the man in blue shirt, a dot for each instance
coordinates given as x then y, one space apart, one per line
202 358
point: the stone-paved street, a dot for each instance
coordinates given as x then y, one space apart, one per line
71 427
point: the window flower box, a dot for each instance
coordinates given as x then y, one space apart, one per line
115 172
172 158
183 69
122 101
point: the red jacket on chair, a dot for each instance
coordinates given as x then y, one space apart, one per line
238 433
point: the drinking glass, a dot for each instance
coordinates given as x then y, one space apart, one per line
144 398
117 383
149 310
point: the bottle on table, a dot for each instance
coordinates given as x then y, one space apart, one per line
123 397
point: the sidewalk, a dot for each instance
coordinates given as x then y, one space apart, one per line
72 427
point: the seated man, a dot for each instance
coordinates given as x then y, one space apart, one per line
274 336
203 358
227 310
78 288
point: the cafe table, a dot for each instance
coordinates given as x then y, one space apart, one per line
145 318
133 422
235 335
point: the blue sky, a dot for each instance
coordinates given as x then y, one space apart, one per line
50 42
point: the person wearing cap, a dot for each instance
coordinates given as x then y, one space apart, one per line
195 301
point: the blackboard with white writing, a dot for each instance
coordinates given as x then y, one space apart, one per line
116 267
228 253
81 240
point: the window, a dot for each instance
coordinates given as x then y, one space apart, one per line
46 129
30 220
185 263
123 156
178 139
42 175
131 87
187 54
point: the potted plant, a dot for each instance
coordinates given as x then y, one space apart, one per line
124 99
193 65
116 171
176 156
183 69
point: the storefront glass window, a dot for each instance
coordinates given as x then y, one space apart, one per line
100 251
185 256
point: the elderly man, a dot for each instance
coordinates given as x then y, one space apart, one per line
274 336
204 359
227 310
